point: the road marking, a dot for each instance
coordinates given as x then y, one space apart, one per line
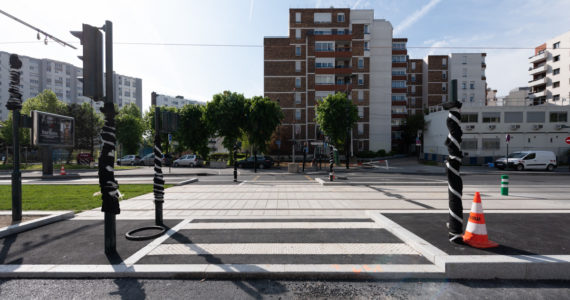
242 183
256 177
284 249
283 225
308 178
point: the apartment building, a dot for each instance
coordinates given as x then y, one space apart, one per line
165 100
329 51
415 86
399 90
550 72
60 77
469 71
436 79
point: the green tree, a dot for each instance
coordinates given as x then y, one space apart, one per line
88 125
45 101
262 118
193 132
225 116
336 115
130 128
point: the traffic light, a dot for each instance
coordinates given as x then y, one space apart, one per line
92 42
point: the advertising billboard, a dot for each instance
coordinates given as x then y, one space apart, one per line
52 130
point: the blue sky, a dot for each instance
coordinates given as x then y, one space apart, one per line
199 72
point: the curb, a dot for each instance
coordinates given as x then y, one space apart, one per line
54 216
191 180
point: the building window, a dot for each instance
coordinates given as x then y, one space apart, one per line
444 75
491 117
556 71
444 62
361 112
513 117
556 45
464 72
361 63
469 144
360 95
472 85
398 84
464 59
297 115
555 97
326 46
297 50
297 82
556 58
471 97
298 17
297 98
360 79
535 117
322 17
360 129
556 84
324 79
470 118
322 63
413 65
366 48
297 66
398 58
366 29
413 78
443 98
340 17
398 71
444 87
413 89
399 46
464 85
491 144
297 33
398 97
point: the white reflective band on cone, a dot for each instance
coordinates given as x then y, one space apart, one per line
475 228
476 208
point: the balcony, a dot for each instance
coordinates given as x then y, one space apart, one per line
537 70
334 87
338 52
538 57
483 65
537 82
335 70
538 94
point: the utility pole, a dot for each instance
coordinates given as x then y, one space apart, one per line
15 104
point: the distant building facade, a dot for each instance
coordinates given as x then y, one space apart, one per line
60 77
178 101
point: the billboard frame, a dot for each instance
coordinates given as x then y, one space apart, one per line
36 114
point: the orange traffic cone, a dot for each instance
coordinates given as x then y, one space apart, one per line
476 231
62 171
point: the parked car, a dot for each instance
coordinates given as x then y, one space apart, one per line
84 158
189 160
521 160
262 162
129 160
148 160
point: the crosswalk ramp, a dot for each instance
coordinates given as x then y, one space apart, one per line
295 246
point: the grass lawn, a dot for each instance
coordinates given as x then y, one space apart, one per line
66 197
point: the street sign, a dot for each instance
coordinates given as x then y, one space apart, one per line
568 140
170 138
508 137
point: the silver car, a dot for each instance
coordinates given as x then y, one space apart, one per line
189 160
129 160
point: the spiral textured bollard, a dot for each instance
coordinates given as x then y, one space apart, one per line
453 164
331 162
158 181
107 182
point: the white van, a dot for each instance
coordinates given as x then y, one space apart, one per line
531 160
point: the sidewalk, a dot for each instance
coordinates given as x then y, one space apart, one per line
264 230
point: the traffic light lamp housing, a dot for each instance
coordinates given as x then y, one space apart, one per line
92 42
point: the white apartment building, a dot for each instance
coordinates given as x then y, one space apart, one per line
178 101
60 77
540 127
469 71
550 72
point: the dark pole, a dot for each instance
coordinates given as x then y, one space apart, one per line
158 177
235 162
109 186
453 164
15 104
347 147
331 162
304 155
254 159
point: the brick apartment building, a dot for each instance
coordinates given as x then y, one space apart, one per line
415 86
399 90
328 51
436 82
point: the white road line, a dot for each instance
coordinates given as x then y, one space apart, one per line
282 225
242 183
148 248
283 249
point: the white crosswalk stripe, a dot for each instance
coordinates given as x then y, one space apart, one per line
283 225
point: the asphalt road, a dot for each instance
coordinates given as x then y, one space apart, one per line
269 289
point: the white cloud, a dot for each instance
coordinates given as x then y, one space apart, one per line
413 18
356 4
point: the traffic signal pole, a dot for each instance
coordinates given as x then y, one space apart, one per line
15 104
